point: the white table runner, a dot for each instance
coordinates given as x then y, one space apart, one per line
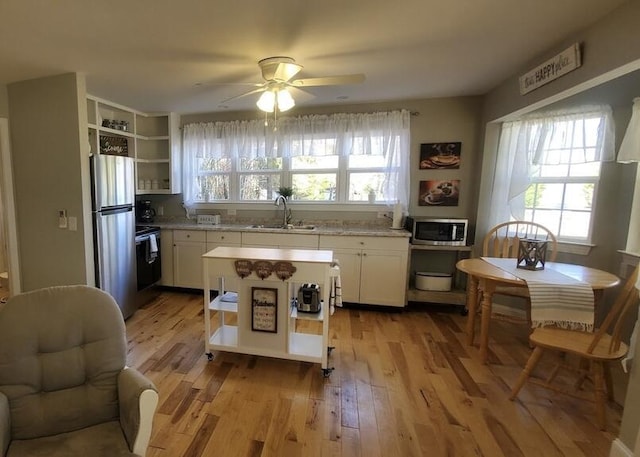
556 299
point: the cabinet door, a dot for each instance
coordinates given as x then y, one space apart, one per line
349 260
187 264
383 278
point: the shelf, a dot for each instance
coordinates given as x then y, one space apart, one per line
153 160
428 247
317 317
306 347
114 132
153 138
226 336
218 305
453 297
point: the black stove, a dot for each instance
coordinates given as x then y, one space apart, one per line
146 229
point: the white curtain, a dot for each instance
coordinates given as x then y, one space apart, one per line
384 133
630 153
532 141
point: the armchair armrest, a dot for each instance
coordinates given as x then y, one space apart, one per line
5 425
138 399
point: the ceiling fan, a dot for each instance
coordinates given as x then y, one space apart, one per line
277 73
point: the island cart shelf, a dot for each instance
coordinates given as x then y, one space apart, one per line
265 319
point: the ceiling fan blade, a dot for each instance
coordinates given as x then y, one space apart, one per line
255 91
329 80
212 83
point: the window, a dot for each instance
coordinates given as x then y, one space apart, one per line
548 169
561 193
341 158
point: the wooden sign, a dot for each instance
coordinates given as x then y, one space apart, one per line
263 268
565 62
113 145
284 270
264 310
243 268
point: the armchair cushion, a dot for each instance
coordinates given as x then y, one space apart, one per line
60 377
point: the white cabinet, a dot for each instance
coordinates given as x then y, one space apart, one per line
188 247
166 258
280 240
281 340
373 270
153 140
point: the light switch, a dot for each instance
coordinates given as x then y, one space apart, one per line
62 218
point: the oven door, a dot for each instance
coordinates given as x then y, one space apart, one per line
148 259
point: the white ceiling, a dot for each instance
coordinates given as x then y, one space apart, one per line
150 54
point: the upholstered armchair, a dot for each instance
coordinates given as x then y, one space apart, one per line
64 386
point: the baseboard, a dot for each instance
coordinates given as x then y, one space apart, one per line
618 449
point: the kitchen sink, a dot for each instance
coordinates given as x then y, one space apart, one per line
281 227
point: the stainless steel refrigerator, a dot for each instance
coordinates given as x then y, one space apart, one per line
114 228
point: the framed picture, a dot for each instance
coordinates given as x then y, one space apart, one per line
439 193
264 309
440 155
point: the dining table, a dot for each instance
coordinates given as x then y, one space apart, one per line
484 274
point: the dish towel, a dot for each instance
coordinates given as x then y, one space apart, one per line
556 299
634 336
152 248
335 295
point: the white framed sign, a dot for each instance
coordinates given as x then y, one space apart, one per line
565 62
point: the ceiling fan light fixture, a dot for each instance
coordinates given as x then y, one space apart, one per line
285 100
267 101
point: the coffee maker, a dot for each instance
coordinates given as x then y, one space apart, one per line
145 212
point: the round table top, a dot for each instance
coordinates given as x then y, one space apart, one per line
598 279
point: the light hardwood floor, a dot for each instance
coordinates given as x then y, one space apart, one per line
405 384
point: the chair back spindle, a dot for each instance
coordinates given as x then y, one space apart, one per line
503 240
614 320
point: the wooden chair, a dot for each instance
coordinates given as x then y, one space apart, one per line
503 241
594 349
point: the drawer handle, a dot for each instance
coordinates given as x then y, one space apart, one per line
362 243
188 236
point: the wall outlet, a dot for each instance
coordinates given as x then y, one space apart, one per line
231 212
160 211
73 223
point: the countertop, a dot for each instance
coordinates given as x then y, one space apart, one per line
318 230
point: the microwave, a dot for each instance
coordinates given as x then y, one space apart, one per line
437 232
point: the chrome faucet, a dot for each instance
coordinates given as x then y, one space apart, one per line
286 214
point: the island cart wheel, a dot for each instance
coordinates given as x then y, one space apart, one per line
326 372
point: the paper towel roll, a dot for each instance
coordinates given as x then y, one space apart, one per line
397 216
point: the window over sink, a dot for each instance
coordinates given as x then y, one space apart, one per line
357 159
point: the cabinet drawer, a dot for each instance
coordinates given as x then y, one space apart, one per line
280 240
189 235
223 237
364 242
